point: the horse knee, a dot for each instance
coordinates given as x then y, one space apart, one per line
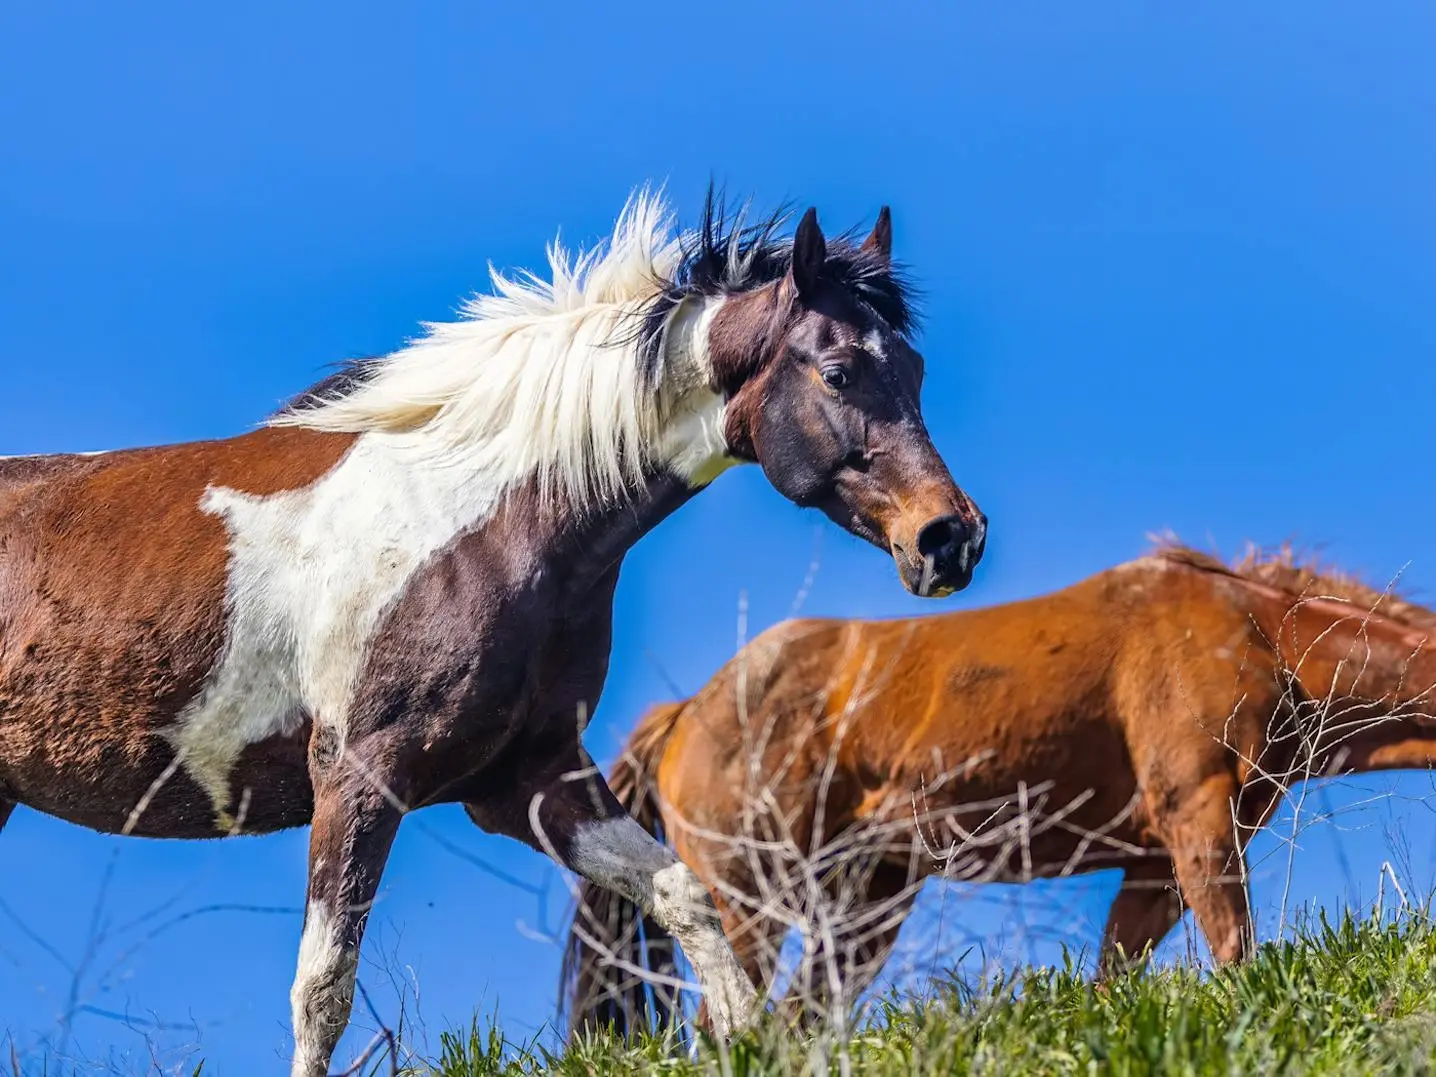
681 901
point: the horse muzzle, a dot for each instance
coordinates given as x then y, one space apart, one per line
944 555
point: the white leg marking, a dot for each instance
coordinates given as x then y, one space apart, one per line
685 908
621 855
323 992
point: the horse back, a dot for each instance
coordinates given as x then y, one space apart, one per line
117 547
1062 689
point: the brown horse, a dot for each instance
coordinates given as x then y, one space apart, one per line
399 591
1147 719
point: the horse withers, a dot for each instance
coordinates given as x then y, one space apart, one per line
1147 719
398 591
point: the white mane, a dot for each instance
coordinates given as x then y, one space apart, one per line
541 378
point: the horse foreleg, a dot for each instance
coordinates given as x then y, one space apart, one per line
571 815
353 829
1200 832
6 808
1144 911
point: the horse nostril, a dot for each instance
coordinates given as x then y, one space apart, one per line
978 539
940 539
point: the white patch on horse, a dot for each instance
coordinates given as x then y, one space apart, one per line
693 445
322 993
873 344
621 855
311 572
695 449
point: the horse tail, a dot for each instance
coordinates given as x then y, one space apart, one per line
614 950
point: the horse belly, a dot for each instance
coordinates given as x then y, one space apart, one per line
270 786
133 738
1036 826
1072 831
108 786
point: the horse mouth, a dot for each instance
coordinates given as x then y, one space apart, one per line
921 577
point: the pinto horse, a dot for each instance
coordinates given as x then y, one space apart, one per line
1148 719
398 591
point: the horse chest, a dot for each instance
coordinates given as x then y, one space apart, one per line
531 666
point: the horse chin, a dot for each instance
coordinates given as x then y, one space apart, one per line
917 581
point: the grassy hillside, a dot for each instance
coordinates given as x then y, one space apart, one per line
1352 998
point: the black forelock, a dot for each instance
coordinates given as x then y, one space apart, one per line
730 253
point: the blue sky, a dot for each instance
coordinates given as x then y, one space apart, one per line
1178 267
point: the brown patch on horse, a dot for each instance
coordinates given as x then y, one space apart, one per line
740 336
84 696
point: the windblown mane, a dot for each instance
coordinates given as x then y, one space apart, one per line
1304 576
571 380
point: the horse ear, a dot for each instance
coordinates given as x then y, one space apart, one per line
810 251
880 242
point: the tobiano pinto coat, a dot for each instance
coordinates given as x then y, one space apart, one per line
398 591
1148 719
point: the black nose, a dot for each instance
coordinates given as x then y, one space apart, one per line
950 547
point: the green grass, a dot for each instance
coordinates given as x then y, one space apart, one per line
1356 997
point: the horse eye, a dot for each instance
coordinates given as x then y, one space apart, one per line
835 377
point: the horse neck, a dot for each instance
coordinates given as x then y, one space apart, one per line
583 549
573 530
690 453
1368 681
